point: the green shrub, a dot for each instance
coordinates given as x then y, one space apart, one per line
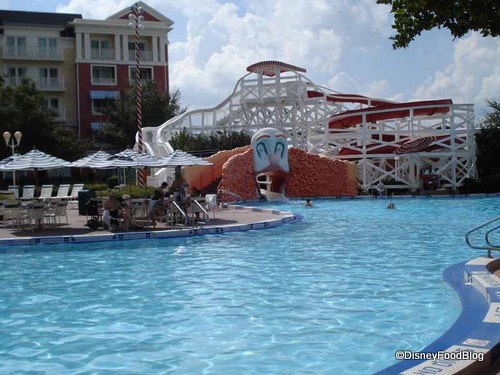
112 181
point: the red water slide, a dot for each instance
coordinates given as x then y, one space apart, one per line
349 98
389 111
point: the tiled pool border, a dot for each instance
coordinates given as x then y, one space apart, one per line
282 218
476 330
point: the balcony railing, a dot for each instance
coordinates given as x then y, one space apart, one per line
41 83
39 53
103 81
102 54
143 55
59 113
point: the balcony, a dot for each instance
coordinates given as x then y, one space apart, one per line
143 55
33 53
103 81
59 114
41 83
102 54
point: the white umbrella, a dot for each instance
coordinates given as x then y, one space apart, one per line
182 159
35 160
97 160
7 160
133 159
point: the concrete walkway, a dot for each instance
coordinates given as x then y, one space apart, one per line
230 219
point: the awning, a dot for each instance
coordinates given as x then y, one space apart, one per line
95 126
104 94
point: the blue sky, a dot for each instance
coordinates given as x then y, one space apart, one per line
343 44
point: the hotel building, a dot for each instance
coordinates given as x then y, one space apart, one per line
81 64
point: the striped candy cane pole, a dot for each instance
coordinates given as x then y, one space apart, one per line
138 96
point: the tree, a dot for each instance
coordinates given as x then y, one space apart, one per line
226 140
411 17
23 108
157 107
488 142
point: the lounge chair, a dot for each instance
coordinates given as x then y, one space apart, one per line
63 191
15 190
28 192
46 192
76 189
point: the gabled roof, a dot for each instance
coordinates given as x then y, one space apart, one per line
15 17
150 14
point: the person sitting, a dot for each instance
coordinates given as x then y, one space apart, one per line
308 203
114 215
391 206
156 204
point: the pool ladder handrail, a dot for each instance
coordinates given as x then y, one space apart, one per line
490 246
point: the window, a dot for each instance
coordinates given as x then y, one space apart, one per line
47 47
101 50
99 106
146 73
131 46
103 75
15 75
16 45
53 104
48 78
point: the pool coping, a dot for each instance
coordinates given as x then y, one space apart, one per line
283 217
403 196
477 329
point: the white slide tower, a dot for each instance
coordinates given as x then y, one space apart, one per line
390 142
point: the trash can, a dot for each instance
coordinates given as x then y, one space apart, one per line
83 197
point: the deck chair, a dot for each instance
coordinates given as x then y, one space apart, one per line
46 192
63 191
76 189
15 190
211 203
28 192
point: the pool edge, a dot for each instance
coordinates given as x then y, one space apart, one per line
283 217
477 329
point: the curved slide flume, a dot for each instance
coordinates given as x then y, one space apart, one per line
388 112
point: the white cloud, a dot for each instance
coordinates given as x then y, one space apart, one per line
472 76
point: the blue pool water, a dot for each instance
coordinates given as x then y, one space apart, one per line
337 293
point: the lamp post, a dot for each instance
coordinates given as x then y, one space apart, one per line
13 142
136 18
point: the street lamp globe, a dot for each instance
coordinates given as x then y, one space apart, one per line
18 135
6 136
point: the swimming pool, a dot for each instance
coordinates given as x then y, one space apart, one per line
337 293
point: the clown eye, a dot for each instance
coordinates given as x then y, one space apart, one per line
261 149
279 149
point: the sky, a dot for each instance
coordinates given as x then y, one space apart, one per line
343 44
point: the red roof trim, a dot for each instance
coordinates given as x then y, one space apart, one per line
268 68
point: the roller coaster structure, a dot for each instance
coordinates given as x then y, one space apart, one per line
391 143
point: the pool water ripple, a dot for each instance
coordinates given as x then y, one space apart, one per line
338 293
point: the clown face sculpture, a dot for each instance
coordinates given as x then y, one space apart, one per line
270 151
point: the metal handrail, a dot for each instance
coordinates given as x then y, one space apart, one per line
490 246
487 237
174 203
205 213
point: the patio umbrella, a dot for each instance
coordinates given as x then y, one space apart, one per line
35 160
182 159
133 159
7 160
97 160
